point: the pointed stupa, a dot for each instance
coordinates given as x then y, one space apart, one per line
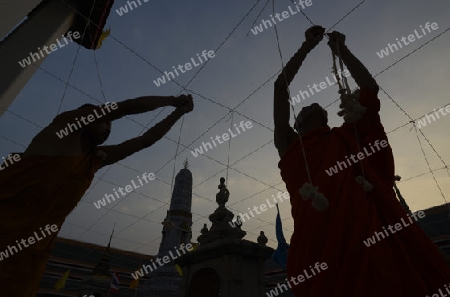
165 280
98 282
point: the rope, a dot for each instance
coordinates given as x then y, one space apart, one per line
347 90
229 146
257 17
289 95
421 174
304 14
223 42
68 80
75 59
176 152
338 78
421 132
412 52
99 78
428 164
346 15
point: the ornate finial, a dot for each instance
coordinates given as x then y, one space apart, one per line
204 229
186 163
222 183
222 196
262 239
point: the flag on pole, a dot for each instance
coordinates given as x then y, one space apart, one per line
135 282
179 270
115 283
102 37
178 267
280 254
62 281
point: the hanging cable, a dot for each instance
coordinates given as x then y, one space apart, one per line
99 78
289 95
176 153
229 146
75 59
308 190
303 13
257 17
428 164
352 110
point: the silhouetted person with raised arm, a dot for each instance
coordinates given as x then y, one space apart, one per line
53 173
396 262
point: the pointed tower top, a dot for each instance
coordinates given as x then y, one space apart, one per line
186 163
102 268
182 191
108 248
222 196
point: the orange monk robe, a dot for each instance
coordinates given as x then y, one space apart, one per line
34 192
405 263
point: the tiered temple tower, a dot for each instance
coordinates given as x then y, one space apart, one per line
165 281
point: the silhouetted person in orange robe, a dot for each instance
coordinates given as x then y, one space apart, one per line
403 262
39 190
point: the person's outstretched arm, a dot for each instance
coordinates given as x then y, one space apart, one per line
115 153
370 122
359 72
113 111
284 134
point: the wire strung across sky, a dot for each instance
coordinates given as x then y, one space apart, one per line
217 103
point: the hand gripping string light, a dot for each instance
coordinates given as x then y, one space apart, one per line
351 111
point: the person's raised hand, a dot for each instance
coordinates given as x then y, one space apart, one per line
185 103
314 35
336 39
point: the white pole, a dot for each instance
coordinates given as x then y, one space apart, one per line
43 28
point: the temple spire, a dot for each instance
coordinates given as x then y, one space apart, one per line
108 248
102 268
98 282
165 281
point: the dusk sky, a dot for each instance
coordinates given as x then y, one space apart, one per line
170 33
